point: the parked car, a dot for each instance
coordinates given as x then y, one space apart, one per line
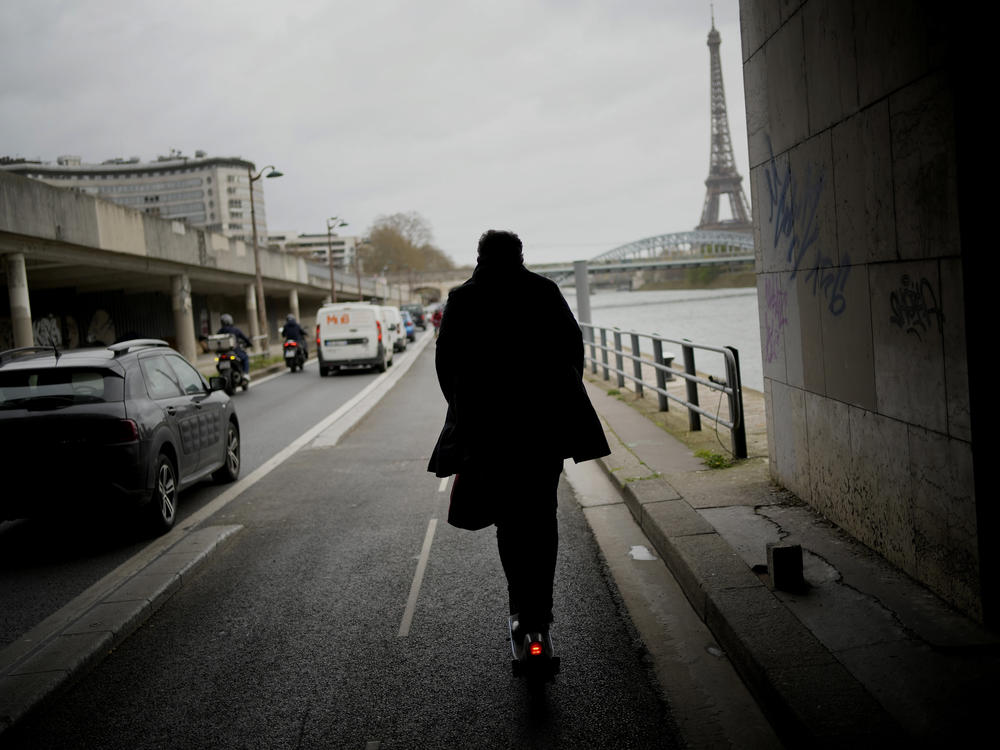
408 326
352 334
417 313
132 423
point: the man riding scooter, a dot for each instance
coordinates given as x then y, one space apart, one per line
241 341
292 331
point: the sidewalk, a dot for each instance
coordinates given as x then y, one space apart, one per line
863 655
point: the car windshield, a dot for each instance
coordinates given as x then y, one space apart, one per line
53 387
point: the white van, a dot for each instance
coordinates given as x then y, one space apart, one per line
394 324
351 334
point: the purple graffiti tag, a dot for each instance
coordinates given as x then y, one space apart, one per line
775 305
915 307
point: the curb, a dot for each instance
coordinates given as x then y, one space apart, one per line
79 637
810 697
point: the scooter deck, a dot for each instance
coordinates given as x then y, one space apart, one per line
544 665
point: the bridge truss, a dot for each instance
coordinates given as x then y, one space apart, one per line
680 244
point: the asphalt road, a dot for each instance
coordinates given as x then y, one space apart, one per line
308 630
45 563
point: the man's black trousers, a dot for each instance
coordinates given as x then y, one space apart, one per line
528 540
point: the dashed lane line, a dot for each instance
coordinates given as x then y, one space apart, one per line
418 578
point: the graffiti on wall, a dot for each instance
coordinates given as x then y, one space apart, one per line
794 209
62 332
915 307
775 320
47 331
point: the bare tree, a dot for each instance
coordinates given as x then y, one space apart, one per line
403 242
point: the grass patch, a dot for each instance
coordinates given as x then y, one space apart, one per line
614 392
257 363
714 460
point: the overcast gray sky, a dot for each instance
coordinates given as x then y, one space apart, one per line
579 124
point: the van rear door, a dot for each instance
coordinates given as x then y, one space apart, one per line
348 334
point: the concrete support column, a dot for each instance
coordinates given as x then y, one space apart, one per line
293 304
252 314
582 290
20 305
180 302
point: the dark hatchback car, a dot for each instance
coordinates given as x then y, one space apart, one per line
417 313
133 422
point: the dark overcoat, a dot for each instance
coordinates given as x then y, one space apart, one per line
510 364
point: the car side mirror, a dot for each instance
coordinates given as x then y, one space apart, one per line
216 383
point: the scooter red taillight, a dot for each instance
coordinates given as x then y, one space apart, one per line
535 649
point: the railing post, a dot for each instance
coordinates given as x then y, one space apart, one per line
636 363
619 362
604 352
694 418
593 349
661 377
735 381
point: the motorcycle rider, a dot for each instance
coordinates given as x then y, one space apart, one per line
241 341
292 331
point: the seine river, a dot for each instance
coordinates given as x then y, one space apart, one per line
717 317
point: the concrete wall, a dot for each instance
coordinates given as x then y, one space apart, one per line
851 125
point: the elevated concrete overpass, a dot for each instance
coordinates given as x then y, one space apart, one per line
79 270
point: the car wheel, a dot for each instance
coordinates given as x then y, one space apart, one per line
380 367
230 469
163 500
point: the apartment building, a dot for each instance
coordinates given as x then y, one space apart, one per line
205 191
316 247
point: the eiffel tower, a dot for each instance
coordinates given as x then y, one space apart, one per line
723 179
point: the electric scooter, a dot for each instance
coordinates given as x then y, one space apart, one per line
534 655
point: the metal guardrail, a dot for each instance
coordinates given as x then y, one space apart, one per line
596 338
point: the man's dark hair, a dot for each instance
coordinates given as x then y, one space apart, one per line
500 248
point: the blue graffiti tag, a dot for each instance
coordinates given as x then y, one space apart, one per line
794 210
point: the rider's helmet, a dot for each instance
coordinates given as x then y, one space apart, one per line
289 318
226 319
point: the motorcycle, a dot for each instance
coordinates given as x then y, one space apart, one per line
295 356
227 363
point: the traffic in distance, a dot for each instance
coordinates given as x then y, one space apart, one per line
127 427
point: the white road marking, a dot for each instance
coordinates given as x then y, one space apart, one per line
418 578
443 485
640 552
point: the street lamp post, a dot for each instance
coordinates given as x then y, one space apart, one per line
357 266
261 309
332 223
